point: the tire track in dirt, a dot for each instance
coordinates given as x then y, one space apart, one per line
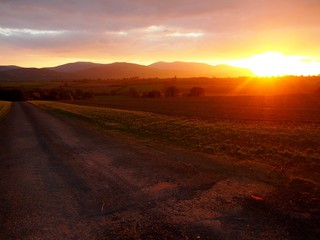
44 188
63 181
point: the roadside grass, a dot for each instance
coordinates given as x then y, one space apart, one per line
4 108
291 148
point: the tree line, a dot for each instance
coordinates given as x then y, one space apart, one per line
22 94
171 91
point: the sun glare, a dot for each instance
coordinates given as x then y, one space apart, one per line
278 64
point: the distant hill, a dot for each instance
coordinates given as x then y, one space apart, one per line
124 70
190 69
9 67
159 69
89 70
33 74
74 67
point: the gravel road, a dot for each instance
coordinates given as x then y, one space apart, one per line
61 179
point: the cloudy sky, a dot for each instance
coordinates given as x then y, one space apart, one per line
51 32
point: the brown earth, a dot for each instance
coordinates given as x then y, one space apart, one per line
62 179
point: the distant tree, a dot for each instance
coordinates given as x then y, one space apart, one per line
196 92
12 94
152 94
69 96
172 91
79 93
35 95
88 95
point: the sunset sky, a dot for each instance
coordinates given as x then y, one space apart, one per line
43 33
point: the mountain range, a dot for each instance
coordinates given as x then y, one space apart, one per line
118 70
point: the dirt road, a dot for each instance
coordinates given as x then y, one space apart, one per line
60 179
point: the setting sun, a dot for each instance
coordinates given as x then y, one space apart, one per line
278 64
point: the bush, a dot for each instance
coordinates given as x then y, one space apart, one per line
172 92
133 93
196 92
152 94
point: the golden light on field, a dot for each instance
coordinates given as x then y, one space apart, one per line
278 64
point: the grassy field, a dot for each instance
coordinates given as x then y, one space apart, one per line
4 108
290 148
284 108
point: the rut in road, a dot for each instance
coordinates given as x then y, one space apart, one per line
60 179
56 179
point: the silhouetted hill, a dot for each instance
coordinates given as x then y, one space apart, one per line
74 67
80 70
9 67
124 70
33 74
190 69
162 70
